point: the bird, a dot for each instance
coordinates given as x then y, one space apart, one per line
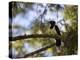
58 40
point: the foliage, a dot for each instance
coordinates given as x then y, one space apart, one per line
71 13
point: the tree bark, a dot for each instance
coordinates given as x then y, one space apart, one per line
33 36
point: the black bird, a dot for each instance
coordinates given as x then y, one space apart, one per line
52 23
58 40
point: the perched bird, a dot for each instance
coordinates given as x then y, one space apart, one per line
58 40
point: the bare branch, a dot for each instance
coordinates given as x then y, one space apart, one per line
33 36
37 51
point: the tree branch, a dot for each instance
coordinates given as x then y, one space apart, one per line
37 51
33 36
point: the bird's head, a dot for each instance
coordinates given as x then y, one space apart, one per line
52 22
